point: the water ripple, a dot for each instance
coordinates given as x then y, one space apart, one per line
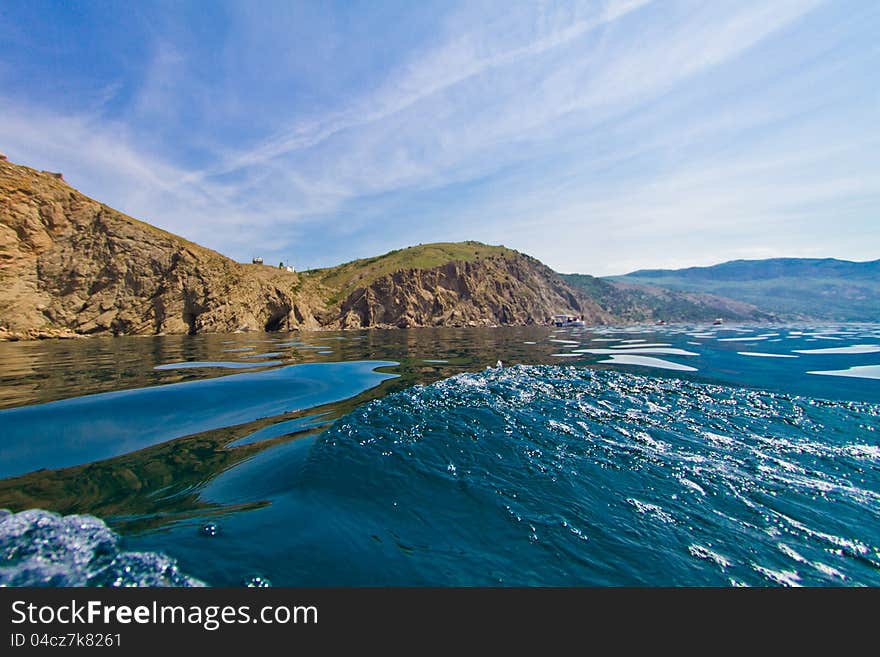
672 481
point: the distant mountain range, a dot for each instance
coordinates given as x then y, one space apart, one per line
631 302
70 265
826 288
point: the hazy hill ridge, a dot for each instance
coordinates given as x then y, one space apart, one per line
630 302
826 288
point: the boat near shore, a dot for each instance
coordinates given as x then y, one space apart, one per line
567 320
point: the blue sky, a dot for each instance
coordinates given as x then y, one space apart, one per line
600 137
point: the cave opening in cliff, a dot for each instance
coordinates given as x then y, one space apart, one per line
278 320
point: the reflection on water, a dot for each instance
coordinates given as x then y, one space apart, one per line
83 429
146 488
37 372
101 406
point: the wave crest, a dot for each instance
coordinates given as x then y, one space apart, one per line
41 548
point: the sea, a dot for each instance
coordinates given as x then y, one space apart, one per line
674 455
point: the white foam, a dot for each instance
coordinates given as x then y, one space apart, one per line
651 509
692 485
641 345
754 338
864 451
705 553
566 341
41 548
783 577
856 372
825 569
791 553
764 355
666 351
647 361
852 349
718 438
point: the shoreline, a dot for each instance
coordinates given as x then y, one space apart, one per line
42 335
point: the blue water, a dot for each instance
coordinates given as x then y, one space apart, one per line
88 428
591 458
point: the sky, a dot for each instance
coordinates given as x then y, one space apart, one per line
600 137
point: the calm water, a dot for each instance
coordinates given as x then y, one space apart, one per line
685 455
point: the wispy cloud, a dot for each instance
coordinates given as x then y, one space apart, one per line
450 64
104 160
482 102
465 108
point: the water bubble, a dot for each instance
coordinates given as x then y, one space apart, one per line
257 582
209 529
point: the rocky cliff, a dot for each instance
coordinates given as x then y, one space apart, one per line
70 265
501 289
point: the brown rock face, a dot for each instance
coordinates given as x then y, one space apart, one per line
70 263
494 291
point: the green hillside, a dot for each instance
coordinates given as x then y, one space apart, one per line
344 279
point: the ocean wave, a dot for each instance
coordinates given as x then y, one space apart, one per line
565 475
41 548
